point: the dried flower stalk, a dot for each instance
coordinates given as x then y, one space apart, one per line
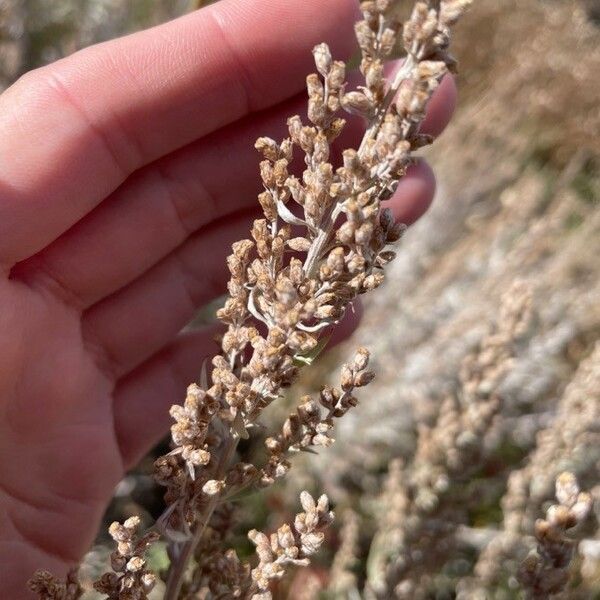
218 573
545 572
307 427
297 276
224 575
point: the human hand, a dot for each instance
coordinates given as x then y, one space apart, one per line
127 170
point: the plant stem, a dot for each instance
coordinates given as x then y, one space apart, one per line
316 250
178 568
403 72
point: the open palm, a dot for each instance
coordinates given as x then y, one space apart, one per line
126 171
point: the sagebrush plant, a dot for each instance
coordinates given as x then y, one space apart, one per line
418 538
424 502
324 240
571 441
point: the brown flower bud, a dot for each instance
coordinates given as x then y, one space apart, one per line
135 564
366 37
345 233
314 86
280 172
299 244
321 149
364 234
373 281
327 311
374 76
337 75
364 378
295 128
347 378
268 148
267 174
387 42
357 103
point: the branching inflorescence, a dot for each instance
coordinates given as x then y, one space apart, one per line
130 579
324 240
298 275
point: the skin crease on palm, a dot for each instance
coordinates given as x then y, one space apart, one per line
127 170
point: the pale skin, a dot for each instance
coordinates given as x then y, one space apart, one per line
126 171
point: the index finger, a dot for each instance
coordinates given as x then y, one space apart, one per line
73 131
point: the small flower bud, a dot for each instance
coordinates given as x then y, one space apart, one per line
136 564
323 58
307 502
322 440
132 523
364 234
364 378
361 359
357 103
347 378
285 537
373 281
148 582
314 86
567 488
273 445
337 75
582 508
268 148
299 244
295 128
213 487
387 42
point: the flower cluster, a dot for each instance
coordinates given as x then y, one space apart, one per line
47 587
323 241
572 442
290 544
342 579
308 426
130 579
